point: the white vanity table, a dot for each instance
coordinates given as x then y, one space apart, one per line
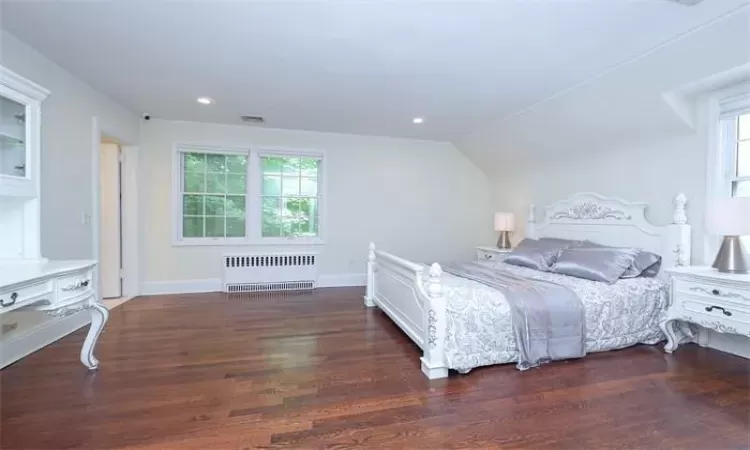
27 280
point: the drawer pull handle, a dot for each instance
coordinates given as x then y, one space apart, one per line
488 256
77 285
711 308
13 298
715 292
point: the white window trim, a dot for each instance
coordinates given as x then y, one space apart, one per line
722 104
253 218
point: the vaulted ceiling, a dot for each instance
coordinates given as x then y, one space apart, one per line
361 67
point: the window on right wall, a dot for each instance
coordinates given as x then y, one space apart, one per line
736 150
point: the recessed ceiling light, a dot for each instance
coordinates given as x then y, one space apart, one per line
417 120
205 100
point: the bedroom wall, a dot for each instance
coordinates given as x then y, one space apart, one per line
618 136
66 178
422 200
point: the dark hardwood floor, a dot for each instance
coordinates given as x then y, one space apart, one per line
318 370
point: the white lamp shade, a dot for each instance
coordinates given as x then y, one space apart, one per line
729 216
505 221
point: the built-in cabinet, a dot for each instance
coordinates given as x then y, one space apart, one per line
28 281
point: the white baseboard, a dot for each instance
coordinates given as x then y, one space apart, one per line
729 343
342 280
41 336
182 286
215 284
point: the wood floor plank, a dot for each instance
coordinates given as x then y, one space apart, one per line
317 370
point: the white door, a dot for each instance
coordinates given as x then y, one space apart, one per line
109 228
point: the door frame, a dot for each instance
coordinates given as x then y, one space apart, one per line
129 238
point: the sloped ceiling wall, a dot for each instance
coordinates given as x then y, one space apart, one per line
625 105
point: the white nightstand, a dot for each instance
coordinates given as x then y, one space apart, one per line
493 254
711 299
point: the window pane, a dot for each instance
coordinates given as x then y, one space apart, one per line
271 185
271 165
742 189
271 217
291 166
290 186
214 205
743 159
744 127
237 164
194 182
192 205
216 183
216 163
236 184
235 227
295 216
192 227
235 206
194 162
309 186
214 227
310 167
308 224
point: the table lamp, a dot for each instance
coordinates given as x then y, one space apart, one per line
504 223
730 217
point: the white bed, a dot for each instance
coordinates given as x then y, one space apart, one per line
461 324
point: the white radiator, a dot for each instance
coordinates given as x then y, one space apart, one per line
263 272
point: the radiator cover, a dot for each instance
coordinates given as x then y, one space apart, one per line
270 271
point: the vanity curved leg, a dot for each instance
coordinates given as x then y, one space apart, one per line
99 316
667 327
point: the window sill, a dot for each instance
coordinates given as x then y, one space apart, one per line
208 242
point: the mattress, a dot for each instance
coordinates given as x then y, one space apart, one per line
479 321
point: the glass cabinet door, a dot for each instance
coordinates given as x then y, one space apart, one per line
12 138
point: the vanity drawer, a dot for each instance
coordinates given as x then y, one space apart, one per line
713 291
14 298
74 285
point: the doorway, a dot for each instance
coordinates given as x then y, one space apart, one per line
110 218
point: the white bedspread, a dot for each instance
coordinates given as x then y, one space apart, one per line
617 316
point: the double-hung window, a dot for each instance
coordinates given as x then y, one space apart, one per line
246 196
735 148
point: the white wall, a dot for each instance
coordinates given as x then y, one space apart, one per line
617 136
67 192
422 200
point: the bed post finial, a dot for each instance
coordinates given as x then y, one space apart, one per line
679 217
370 289
434 288
532 213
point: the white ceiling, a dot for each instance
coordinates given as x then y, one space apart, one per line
361 67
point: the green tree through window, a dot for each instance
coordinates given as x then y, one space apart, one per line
290 196
214 189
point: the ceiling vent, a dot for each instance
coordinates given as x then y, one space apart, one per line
253 119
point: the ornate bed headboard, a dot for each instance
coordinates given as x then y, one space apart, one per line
616 222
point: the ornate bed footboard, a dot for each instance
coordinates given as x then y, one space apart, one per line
397 286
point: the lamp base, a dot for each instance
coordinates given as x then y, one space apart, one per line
732 256
504 240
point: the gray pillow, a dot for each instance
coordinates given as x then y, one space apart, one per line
645 264
535 254
596 263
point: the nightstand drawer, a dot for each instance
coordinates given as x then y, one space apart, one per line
719 310
711 291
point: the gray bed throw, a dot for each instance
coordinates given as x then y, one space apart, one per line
548 319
